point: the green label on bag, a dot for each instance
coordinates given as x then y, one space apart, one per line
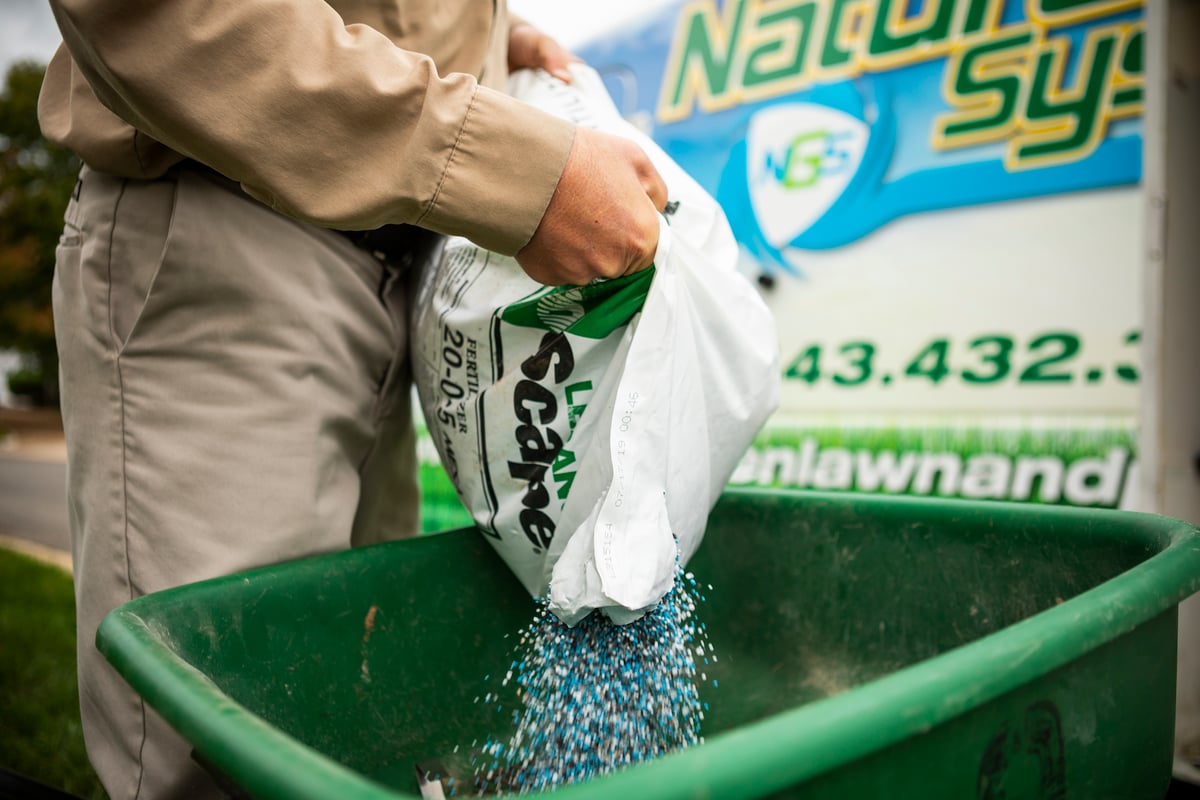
592 311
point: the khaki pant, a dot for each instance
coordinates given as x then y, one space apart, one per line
235 393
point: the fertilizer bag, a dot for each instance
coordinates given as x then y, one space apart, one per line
590 429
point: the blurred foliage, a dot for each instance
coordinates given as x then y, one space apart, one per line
36 180
28 383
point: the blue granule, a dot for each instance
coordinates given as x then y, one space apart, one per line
599 697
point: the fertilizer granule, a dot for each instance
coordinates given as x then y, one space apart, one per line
599 696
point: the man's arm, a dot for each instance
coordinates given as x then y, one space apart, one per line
335 125
604 189
602 221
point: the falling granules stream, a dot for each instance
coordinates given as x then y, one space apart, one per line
599 697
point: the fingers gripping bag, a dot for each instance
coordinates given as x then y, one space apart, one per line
590 429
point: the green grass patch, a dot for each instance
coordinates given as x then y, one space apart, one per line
40 732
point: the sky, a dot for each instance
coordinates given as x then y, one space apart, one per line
26 31
27 27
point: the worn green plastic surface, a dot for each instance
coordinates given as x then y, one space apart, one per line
869 647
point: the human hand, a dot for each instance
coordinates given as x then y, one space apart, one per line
602 221
529 48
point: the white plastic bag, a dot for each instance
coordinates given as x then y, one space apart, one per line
589 430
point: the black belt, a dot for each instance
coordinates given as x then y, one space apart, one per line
398 246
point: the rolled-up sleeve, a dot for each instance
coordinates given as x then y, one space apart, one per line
326 122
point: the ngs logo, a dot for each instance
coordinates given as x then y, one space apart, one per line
810 157
799 159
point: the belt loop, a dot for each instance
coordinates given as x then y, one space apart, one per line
400 247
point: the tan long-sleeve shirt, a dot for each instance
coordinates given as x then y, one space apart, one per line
348 114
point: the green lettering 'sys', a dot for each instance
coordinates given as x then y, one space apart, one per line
1009 86
1085 109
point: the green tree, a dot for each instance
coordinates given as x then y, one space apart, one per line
36 179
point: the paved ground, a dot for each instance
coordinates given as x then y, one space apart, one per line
33 504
